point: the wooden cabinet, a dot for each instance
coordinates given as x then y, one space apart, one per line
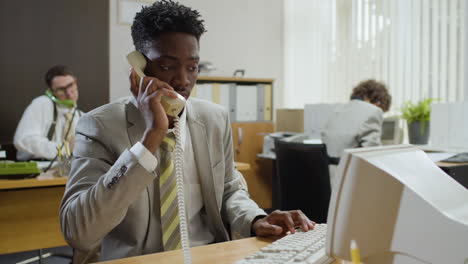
247 143
249 102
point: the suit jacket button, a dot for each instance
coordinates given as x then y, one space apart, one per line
115 180
119 174
123 169
109 185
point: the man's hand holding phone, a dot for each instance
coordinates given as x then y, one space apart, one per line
148 94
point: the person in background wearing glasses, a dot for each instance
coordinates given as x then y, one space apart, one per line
49 120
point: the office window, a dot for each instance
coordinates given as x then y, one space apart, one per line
416 47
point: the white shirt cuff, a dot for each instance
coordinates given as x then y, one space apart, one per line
144 156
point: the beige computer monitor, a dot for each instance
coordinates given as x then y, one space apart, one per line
392 132
399 207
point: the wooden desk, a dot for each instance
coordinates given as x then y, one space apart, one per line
29 217
29 214
221 253
31 183
450 164
242 166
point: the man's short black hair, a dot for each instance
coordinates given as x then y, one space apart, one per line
164 16
57 70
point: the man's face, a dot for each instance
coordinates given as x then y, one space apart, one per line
65 87
173 58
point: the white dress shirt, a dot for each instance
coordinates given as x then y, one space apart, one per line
199 232
31 134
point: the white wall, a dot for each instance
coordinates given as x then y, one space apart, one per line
465 64
242 34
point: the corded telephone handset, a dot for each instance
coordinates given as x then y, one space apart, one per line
66 102
173 107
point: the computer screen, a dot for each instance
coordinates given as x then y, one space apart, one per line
399 207
391 131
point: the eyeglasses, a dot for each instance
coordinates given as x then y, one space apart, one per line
63 90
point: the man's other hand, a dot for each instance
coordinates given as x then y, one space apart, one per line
280 222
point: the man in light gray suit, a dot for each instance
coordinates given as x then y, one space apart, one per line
113 196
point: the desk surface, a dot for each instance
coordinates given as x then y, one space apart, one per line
242 166
220 253
450 164
31 183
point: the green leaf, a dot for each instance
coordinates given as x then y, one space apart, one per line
421 111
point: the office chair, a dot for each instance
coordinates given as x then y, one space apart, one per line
333 160
303 178
9 149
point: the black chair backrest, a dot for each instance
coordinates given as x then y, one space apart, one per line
304 179
10 150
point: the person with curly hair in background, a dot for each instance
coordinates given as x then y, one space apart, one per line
357 123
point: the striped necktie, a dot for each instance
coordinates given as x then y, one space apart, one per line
68 125
168 196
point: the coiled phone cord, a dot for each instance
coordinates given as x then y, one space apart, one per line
178 164
63 143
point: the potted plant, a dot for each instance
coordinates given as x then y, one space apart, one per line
417 117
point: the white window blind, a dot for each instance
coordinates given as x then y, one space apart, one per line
416 47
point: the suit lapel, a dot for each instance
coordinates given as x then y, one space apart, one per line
201 153
204 166
135 123
135 130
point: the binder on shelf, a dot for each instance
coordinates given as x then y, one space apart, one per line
267 99
215 93
233 102
246 103
204 91
246 99
223 95
260 102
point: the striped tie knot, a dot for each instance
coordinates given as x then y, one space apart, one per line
168 142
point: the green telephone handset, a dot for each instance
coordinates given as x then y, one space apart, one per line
67 102
172 106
